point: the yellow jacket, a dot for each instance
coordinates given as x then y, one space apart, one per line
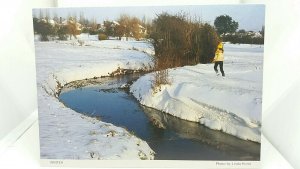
220 45
219 55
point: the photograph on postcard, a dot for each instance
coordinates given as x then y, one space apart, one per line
150 83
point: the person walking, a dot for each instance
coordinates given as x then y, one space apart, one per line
219 58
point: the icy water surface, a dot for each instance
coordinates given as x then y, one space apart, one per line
170 137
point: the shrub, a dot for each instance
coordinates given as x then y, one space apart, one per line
62 33
169 39
85 30
93 32
178 42
204 42
43 28
181 42
102 36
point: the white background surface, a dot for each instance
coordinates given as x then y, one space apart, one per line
281 90
17 62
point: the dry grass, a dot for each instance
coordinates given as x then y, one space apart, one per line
161 74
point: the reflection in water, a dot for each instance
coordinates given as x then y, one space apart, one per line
194 131
170 137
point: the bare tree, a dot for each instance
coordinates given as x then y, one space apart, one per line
136 28
124 22
72 28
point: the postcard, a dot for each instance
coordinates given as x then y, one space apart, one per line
150 86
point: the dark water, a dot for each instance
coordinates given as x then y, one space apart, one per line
170 137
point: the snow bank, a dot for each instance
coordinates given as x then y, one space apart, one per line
232 105
65 134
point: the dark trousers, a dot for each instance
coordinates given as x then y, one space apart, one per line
221 67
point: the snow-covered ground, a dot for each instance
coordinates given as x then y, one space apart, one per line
232 104
92 40
66 134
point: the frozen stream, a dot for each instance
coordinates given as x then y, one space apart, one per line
170 137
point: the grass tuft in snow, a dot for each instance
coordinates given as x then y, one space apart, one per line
160 78
142 155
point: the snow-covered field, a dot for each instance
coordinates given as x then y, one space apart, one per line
65 134
232 104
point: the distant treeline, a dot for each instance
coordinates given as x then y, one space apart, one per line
243 38
124 26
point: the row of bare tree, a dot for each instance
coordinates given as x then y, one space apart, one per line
126 26
46 27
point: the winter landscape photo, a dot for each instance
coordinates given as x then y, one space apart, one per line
150 83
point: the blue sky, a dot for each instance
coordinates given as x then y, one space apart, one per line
250 17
